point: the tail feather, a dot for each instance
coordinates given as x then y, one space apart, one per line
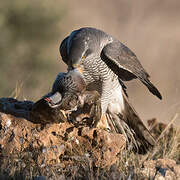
128 123
152 88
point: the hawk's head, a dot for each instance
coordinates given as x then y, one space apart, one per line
78 46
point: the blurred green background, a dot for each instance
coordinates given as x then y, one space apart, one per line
31 32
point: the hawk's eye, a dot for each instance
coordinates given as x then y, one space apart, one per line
83 57
88 52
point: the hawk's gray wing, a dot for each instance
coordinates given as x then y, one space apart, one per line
125 64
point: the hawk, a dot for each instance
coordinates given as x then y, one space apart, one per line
105 63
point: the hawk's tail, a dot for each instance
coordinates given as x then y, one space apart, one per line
131 126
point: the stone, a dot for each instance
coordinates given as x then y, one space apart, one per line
57 136
161 169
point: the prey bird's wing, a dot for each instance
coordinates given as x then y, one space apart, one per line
125 64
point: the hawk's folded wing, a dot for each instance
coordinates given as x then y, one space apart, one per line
125 64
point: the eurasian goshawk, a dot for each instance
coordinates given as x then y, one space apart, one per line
105 63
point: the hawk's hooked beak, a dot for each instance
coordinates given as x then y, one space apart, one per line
78 67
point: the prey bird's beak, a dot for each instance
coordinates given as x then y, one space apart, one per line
54 100
78 67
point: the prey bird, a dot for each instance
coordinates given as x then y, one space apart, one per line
70 85
105 63
70 98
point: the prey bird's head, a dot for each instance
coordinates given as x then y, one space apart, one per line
70 83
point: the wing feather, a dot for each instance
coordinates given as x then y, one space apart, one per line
126 65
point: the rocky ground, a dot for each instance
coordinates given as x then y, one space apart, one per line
37 142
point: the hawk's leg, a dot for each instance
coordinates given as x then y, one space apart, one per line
106 95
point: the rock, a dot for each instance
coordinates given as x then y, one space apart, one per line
40 178
44 137
15 107
15 133
161 169
55 143
55 140
106 145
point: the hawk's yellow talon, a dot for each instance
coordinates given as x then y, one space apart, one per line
64 113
